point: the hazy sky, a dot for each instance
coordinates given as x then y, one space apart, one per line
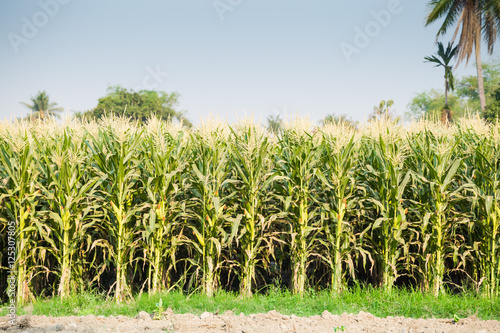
265 57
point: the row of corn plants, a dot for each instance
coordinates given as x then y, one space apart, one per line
121 208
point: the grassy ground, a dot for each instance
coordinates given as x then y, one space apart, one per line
398 303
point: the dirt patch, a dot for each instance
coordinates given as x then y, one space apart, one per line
271 322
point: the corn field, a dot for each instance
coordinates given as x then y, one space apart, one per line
117 208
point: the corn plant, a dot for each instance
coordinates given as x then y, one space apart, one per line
385 179
115 157
121 207
435 164
164 163
298 157
250 151
484 183
20 198
336 172
207 210
71 195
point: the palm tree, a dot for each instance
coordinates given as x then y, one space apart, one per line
443 59
383 111
274 124
477 19
41 107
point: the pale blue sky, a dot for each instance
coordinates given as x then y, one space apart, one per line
265 56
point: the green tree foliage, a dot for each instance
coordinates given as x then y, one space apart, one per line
443 58
429 103
467 89
492 111
476 21
340 119
274 124
465 97
41 107
383 111
137 105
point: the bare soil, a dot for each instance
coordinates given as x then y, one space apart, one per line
271 322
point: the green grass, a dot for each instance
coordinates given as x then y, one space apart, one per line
377 302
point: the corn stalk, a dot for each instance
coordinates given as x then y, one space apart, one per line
385 180
250 151
299 155
20 198
115 157
484 183
163 166
336 172
435 164
207 211
68 191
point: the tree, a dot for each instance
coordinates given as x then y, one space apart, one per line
274 124
41 107
383 111
465 98
492 111
137 105
430 103
443 59
476 18
467 87
341 119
